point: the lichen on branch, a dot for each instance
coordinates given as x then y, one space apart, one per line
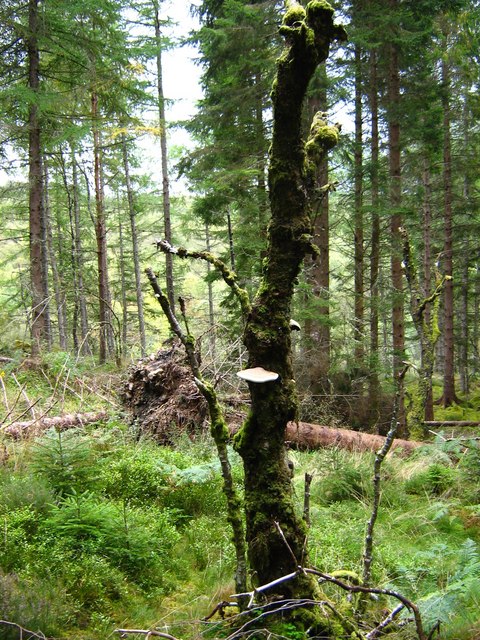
229 276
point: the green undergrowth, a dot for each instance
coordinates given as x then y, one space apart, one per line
100 529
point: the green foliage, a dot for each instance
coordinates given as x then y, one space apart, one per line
343 478
78 563
66 460
435 480
35 604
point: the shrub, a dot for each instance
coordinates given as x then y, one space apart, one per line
33 603
137 476
66 460
435 480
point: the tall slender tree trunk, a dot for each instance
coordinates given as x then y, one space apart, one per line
318 330
211 311
101 237
449 396
123 287
427 285
40 322
476 316
465 272
79 260
167 221
398 323
231 244
135 248
359 230
374 382
59 292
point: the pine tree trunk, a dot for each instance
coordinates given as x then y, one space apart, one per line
359 231
167 222
231 245
123 288
78 260
427 284
465 277
211 312
39 287
101 237
449 396
374 383
58 289
136 253
318 331
398 323
268 489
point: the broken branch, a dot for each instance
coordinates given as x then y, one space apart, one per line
227 274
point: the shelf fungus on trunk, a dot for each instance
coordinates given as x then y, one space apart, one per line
257 374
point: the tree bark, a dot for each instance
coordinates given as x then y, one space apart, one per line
167 221
394 154
79 266
358 231
211 311
374 383
292 170
123 287
136 253
317 329
60 298
39 287
101 237
427 281
449 396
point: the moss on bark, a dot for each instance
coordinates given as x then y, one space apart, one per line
268 491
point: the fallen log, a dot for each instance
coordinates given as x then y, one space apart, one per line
313 436
66 421
302 435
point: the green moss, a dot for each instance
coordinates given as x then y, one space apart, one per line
295 14
317 8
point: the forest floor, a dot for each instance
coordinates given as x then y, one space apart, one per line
103 528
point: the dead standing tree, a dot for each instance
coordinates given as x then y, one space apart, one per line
269 506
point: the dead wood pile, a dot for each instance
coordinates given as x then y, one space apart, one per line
161 397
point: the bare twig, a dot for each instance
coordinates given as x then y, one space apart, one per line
306 497
4 391
218 430
25 396
290 550
387 592
82 383
379 458
27 410
146 632
374 633
22 630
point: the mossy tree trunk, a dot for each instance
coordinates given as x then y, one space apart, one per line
261 441
424 312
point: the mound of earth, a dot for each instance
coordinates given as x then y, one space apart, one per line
161 397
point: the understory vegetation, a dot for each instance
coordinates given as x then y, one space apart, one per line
102 528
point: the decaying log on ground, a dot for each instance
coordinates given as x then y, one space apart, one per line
313 436
302 435
66 421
